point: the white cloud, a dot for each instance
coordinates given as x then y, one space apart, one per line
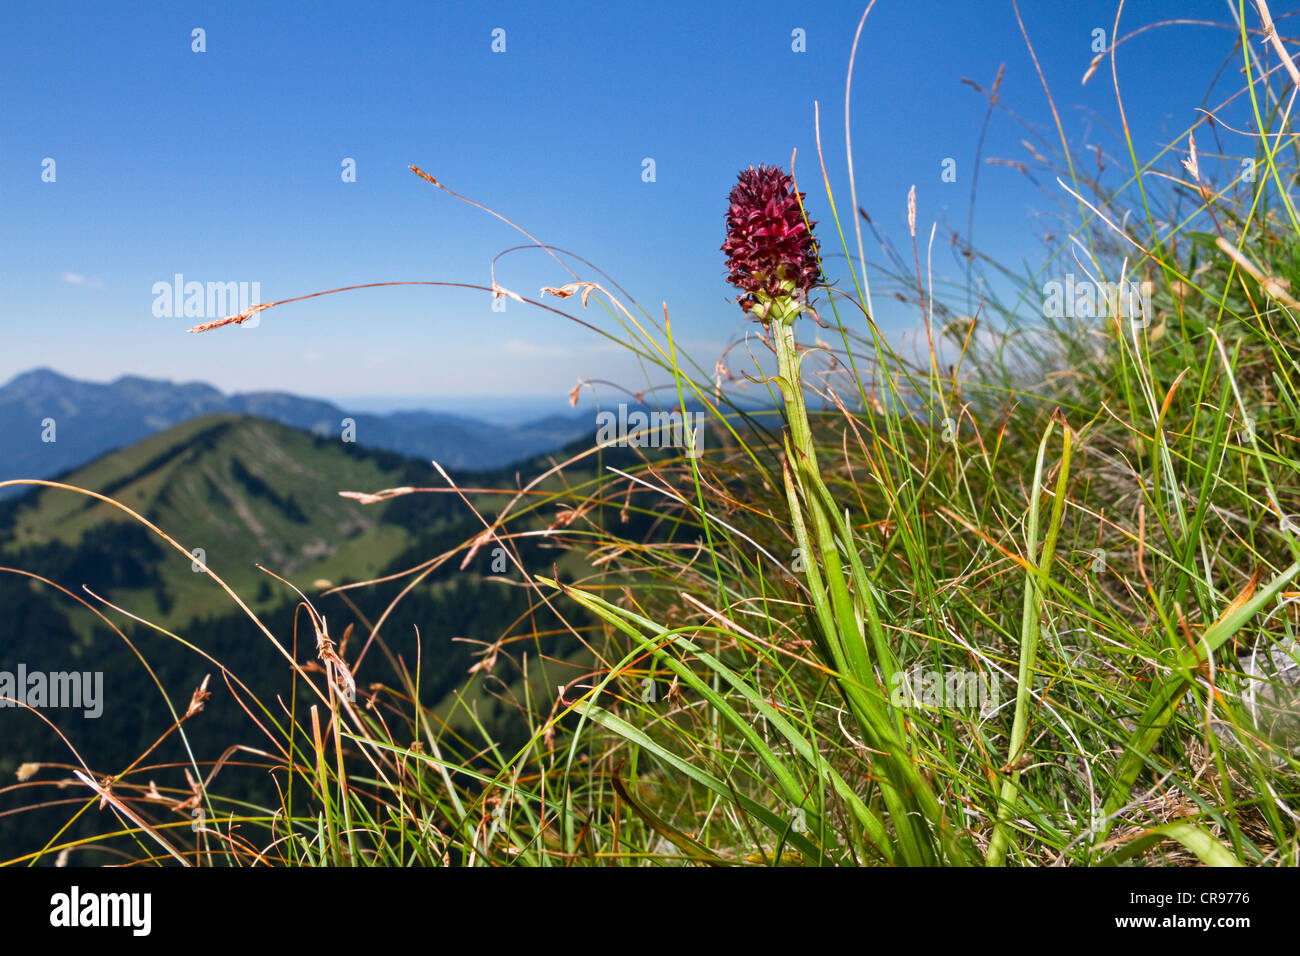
76 278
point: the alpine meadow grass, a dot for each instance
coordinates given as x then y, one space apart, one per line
1027 597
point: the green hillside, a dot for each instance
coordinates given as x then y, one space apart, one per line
242 490
248 492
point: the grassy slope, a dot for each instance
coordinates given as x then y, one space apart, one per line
192 481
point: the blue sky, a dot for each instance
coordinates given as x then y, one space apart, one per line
225 166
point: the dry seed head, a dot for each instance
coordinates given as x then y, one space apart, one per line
1190 162
1092 68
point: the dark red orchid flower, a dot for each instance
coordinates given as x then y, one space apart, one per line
771 252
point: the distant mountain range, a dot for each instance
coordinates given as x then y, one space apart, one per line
89 419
